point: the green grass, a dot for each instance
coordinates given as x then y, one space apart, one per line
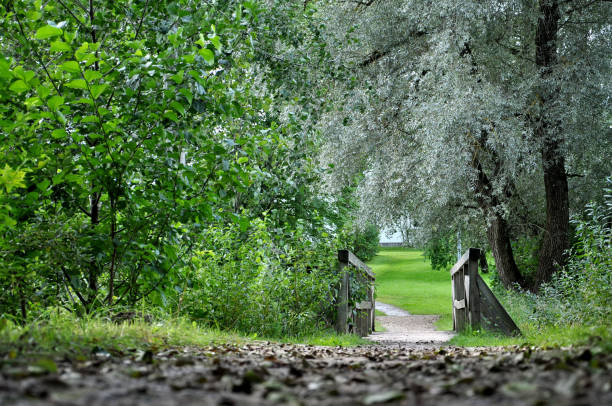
74 337
66 335
405 279
596 337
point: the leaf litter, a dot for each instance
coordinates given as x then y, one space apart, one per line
263 373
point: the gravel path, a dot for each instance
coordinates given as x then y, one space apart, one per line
401 327
391 310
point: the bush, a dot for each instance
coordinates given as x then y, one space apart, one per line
364 243
441 251
581 293
266 282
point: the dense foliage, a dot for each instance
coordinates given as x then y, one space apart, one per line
486 117
364 242
205 158
581 293
164 154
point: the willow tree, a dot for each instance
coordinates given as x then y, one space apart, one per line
457 110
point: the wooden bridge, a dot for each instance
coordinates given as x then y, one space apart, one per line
474 304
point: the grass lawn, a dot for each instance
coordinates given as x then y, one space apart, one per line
405 279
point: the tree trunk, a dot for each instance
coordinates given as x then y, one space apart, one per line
499 240
497 230
556 237
549 132
92 279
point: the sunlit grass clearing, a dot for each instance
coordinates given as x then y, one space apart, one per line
405 279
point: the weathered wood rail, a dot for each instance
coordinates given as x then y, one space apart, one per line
474 304
354 317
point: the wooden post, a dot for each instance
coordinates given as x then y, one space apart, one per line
472 289
364 311
459 300
373 310
342 300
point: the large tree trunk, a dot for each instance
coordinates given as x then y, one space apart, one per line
548 131
497 230
499 240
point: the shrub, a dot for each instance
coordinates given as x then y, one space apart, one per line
581 293
265 282
364 243
441 251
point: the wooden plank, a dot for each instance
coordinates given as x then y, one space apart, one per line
459 304
347 256
459 264
373 310
466 286
473 292
453 300
361 323
460 314
471 253
342 300
493 315
365 305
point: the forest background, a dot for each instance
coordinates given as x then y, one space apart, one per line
205 159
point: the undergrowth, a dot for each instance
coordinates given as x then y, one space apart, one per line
575 307
65 334
62 334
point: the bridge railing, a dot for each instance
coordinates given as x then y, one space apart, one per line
474 304
353 316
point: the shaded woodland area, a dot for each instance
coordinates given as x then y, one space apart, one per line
193 167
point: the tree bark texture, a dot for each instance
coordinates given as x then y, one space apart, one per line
556 240
497 230
499 240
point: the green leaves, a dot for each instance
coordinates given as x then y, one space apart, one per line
145 121
11 178
216 42
178 77
91 75
19 86
77 84
178 107
207 55
47 31
59 134
97 90
71 66
60 46
54 102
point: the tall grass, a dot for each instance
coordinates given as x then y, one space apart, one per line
63 333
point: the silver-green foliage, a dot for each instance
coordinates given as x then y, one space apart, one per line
438 85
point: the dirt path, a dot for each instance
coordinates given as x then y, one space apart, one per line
281 374
390 310
403 328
